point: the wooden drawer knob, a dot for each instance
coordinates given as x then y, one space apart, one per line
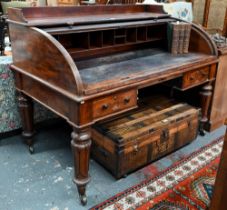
126 100
135 148
105 106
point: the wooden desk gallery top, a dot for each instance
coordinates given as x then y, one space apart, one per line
46 16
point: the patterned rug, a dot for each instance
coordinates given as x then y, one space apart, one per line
187 185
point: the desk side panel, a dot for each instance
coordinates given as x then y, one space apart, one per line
201 42
43 58
53 100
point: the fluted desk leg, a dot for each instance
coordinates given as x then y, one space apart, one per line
81 143
206 94
26 112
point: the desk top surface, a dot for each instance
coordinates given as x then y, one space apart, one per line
113 71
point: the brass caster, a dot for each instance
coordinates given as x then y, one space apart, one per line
83 199
125 176
201 129
202 133
31 149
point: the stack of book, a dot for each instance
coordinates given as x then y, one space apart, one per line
179 37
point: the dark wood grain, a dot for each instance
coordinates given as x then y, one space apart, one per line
81 143
200 41
88 63
206 94
46 16
25 104
95 27
44 58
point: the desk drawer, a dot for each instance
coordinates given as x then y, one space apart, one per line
114 103
195 77
198 76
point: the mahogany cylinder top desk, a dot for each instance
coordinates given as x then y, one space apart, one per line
89 63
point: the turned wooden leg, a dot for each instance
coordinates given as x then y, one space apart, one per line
26 112
206 94
81 143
